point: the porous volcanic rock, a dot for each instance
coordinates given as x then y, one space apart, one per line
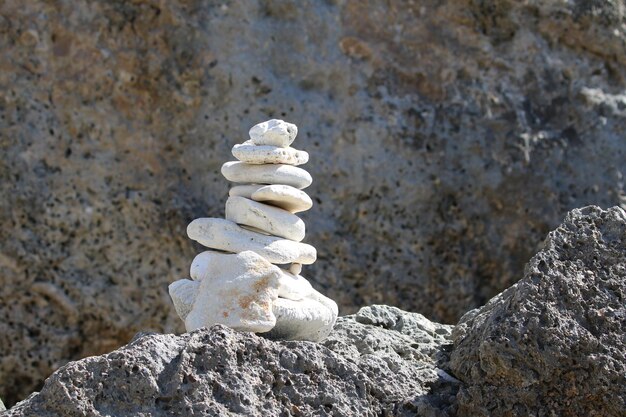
553 344
381 361
445 138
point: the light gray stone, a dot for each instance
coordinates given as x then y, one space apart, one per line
244 190
266 174
253 154
227 236
284 196
272 220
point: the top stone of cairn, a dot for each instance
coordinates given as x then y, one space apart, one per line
273 132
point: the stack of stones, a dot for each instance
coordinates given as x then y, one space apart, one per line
250 280
273 191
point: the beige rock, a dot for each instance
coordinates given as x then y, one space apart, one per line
236 171
273 220
273 132
228 236
283 196
265 154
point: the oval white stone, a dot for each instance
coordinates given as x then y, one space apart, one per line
273 220
283 196
236 171
265 154
228 236
273 132
244 190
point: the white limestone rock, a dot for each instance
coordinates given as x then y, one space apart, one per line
245 190
264 154
228 236
279 195
236 171
236 290
247 293
283 196
273 132
273 220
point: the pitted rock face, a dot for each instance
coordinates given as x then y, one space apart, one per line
553 344
363 369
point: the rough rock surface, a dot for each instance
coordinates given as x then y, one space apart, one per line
446 139
380 362
554 343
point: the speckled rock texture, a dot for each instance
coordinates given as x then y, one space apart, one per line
445 138
380 362
554 343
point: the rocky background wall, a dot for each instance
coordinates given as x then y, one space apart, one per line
446 140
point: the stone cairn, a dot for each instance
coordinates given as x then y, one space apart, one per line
250 279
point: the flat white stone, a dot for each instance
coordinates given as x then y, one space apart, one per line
273 220
264 154
244 190
273 132
236 171
236 290
283 196
228 236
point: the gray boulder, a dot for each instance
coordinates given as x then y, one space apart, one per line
379 362
554 343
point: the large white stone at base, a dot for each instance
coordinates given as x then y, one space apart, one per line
247 293
228 236
273 220
236 290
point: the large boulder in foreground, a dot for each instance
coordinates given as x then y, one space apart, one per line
382 361
551 345
554 343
